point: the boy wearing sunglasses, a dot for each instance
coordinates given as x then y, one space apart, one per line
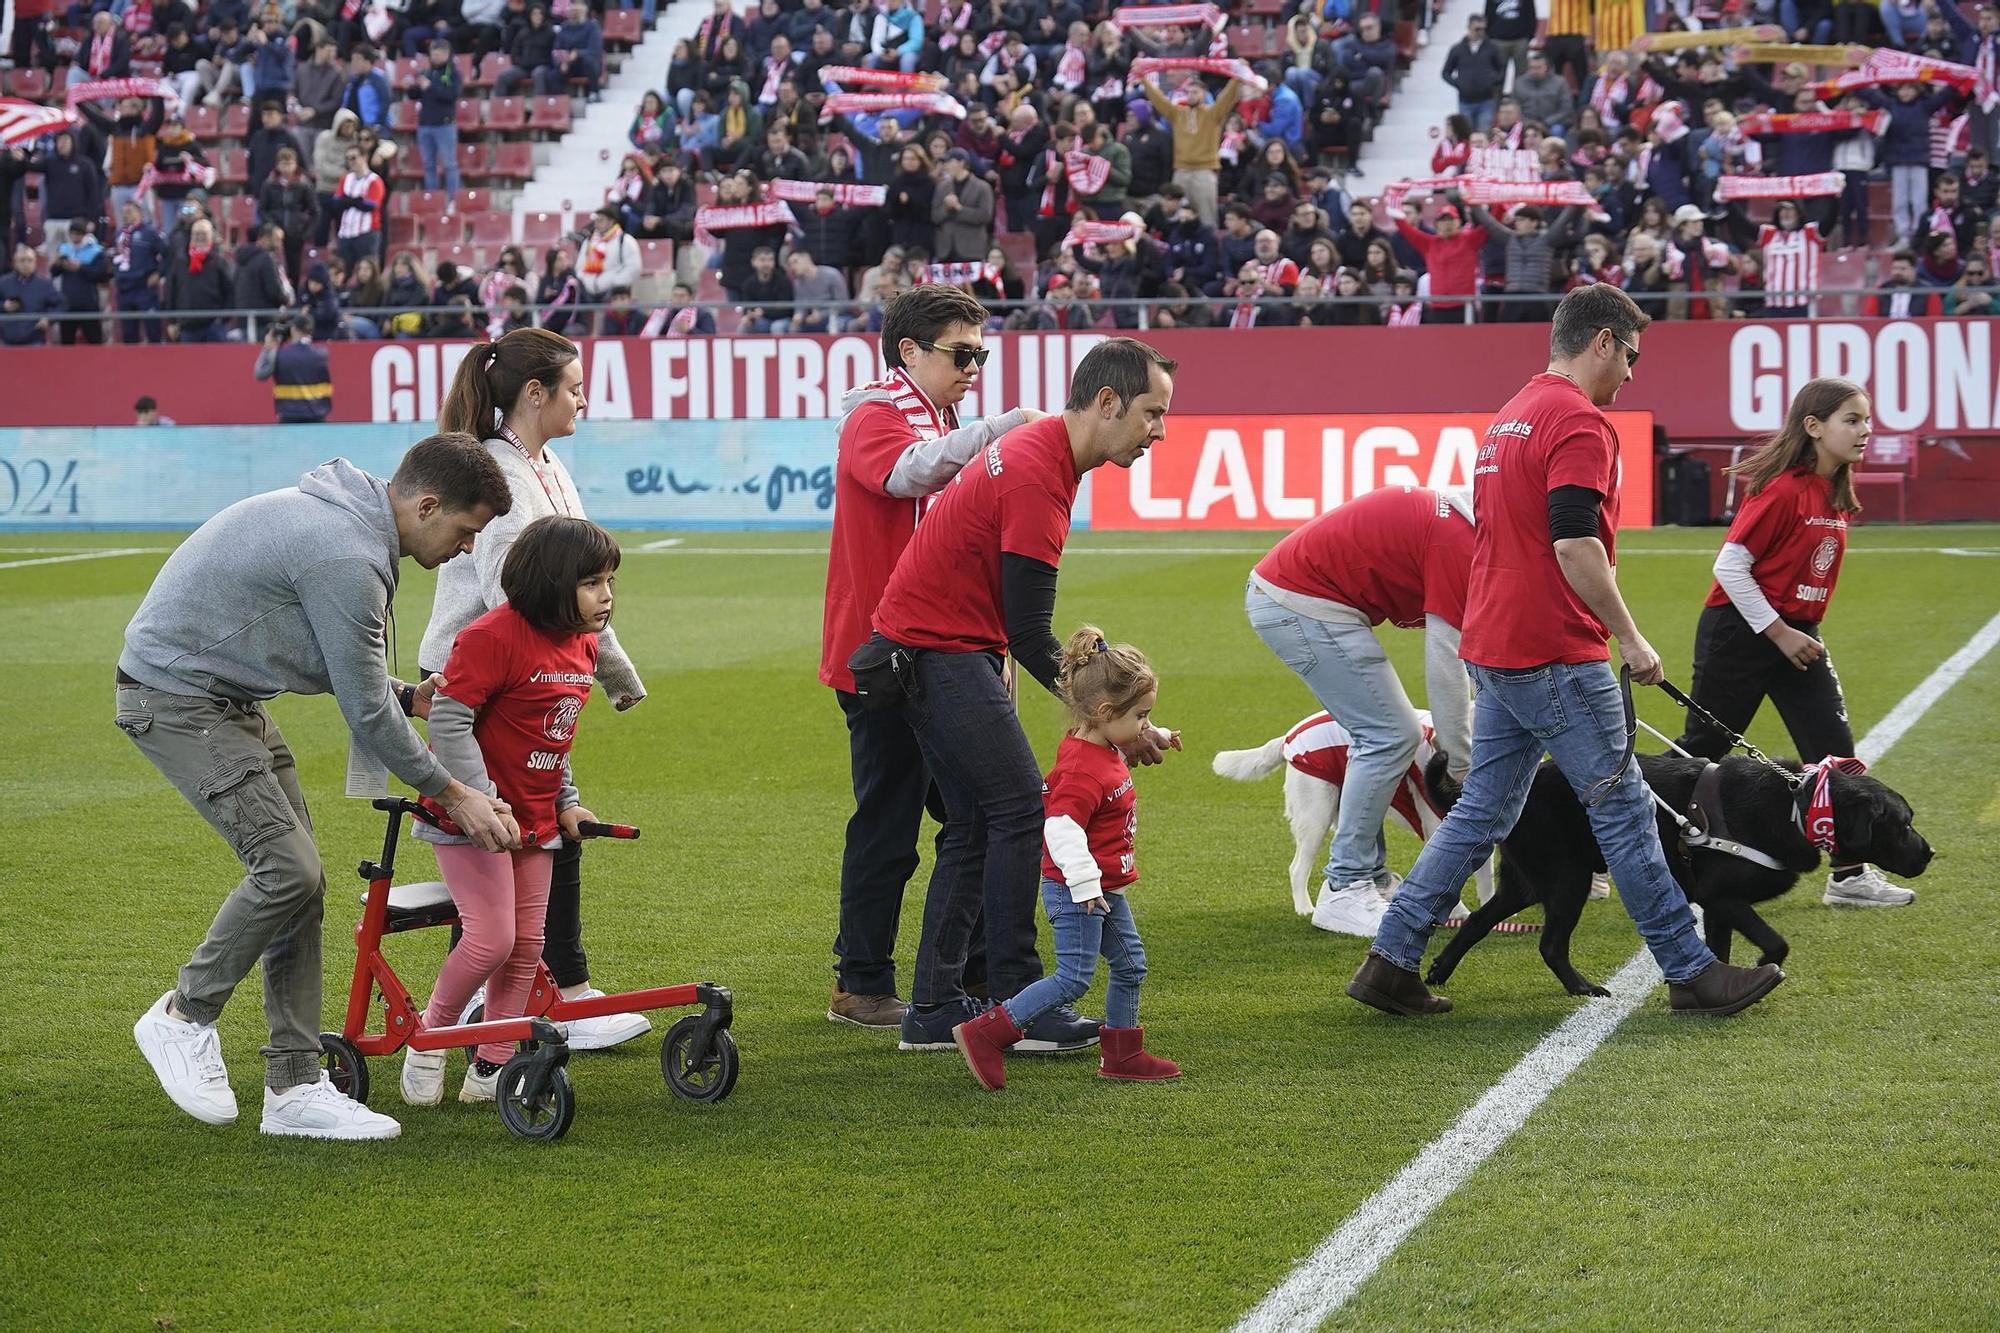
900 443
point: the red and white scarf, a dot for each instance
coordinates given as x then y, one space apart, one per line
844 192
1099 233
938 104
191 174
1047 208
97 90
1168 16
1234 68
1887 65
139 17
960 274
1609 96
101 45
855 76
734 217
1812 122
774 74
1403 316
1087 172
1780 187
1274 273
1070 69
1817 820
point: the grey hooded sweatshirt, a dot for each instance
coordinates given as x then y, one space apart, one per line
288 593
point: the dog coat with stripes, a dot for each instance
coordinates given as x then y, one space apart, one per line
1317 747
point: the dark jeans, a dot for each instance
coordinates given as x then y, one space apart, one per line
137 300
892 789
1566 53
990 852
1736 669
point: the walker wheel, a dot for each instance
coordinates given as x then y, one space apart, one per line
547 1117
344 1066
708 1081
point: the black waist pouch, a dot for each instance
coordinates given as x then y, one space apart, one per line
884 674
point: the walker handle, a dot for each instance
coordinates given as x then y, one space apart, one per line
592 829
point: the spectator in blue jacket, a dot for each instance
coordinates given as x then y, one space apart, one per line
437 91
1977 38
269 63
72 187
367 94
25 292
1287 117
1367 57
897 37
138 270
579 54
1906 150
82 266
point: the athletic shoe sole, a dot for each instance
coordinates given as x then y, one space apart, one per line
346 1134
926 1045
1831 899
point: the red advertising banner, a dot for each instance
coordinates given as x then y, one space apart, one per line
1710 380
1265 472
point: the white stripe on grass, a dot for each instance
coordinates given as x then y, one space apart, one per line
1337 1267
82 555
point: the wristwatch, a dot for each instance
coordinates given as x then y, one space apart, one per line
406 695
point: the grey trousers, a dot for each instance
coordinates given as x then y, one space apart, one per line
1201 192
230 763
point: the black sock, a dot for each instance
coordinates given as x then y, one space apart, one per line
486 1068
929 1008
1848 872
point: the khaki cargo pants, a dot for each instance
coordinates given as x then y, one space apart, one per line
230 763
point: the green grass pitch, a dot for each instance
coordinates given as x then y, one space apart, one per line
1821 1162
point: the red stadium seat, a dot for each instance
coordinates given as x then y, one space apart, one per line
233 164
622 27
656 257
549 113
472 159
494 229
403 117
490 68
470 121
32 84
470 257
405 71
203 121
475 201
60 79
238 215
428 203
403 231
514 159
236 121
467 70
541 229
409 165
507 113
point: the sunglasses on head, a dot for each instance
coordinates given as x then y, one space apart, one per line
961 357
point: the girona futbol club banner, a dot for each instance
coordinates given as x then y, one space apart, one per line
1701 381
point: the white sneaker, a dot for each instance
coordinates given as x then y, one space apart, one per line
1867 889
187 1059
321 1111
423 1077
597 1034
1354 910
1387 887
478 1001
479 1087
1600 887
1458 913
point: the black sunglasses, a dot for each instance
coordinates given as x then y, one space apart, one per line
961 357
1631 352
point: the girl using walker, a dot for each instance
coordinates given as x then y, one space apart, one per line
1759 633
503 722
1088 862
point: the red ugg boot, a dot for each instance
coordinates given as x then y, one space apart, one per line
1123 1055
983 1041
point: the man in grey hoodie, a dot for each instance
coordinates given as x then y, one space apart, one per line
289 592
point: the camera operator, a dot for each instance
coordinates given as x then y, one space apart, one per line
301 382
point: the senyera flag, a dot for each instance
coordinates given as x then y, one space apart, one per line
23 122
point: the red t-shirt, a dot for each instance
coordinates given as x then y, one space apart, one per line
526 688
1091 784
1797 539
1014 498
870 526
1396 554
1519 610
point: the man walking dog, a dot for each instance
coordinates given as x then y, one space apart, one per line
1542 595
288 592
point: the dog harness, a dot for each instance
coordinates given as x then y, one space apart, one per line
1705 826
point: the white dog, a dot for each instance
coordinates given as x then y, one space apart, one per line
1314 757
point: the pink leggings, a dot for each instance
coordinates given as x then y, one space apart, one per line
502 898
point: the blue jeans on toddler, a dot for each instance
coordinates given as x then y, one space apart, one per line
1574 712
1080 937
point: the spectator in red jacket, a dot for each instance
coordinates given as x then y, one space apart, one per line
1451 255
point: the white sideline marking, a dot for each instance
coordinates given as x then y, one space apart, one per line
81 555
664 544
1335 1270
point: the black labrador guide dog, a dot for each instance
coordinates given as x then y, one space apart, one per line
1551 854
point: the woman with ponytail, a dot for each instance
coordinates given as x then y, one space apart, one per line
1759 634
517 394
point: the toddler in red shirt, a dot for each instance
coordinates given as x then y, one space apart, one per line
1089 860
503 722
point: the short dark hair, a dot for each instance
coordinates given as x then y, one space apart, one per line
922 314
1589 309
1122 365
546 562
145 403
1903 256
1235 210
456 468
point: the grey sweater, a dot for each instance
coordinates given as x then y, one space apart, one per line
468 586
288 593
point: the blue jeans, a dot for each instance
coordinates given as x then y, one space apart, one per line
1574 713
1788 18
1080 937
989 855
439 146
1347 671
1479 113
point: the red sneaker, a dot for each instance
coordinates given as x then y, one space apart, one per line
983 1041
1124 1056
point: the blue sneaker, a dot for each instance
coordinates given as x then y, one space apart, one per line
932 1031
1060 1031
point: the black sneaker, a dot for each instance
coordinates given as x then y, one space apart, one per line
932 1031
1060 1031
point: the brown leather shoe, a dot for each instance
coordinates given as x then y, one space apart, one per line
1720 989
1394 990
865 1011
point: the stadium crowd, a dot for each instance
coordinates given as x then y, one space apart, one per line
1071 164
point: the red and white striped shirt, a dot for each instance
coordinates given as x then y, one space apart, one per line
361 221
1317 747
1791 264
